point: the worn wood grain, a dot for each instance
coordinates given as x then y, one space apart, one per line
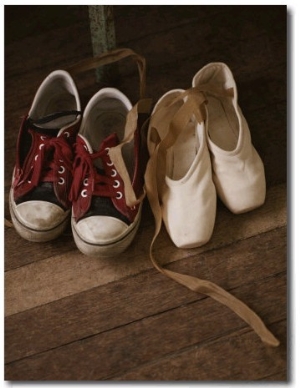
246 21
284 375
148 293
23 21
115 351
22 252
236 357
58 275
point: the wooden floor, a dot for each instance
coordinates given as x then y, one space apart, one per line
69 317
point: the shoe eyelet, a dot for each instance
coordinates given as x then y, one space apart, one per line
61 170
133 207
29 182
116 184
107 150
113 172
43 138
84 193
61 181
35 158
67 134
85 182
109 164
41 146
119 195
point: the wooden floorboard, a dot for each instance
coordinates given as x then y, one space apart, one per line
233 357
69 317
119 303
152 337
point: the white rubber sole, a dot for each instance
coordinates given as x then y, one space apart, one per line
35 235
112 249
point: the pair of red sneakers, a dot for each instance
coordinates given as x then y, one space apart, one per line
91 164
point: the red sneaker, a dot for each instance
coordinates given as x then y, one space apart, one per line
39 195
107 189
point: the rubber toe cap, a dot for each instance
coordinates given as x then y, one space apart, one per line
101 229
40 215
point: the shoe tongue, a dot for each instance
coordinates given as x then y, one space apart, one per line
53 123
110 141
